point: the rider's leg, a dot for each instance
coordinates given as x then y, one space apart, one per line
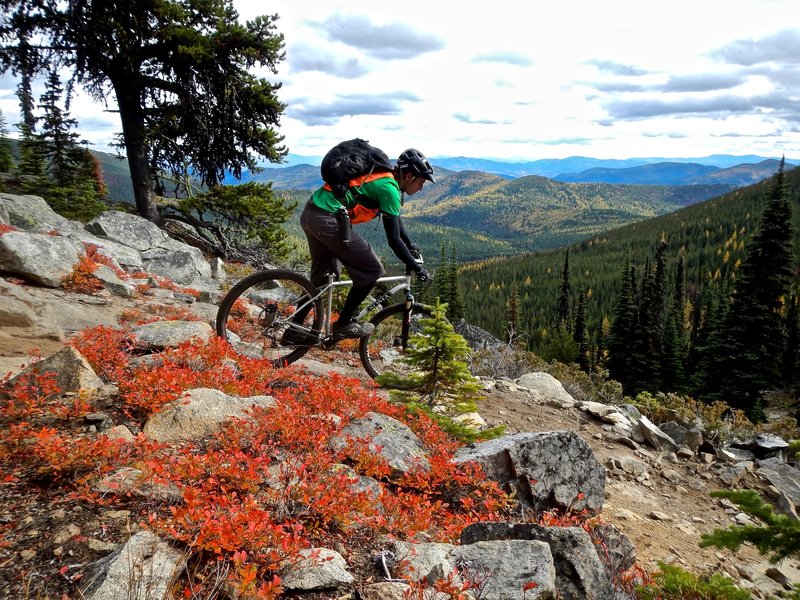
364 268
327 249
356 295
317 226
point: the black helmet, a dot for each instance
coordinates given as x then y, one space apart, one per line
413 160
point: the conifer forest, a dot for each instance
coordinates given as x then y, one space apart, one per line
702 301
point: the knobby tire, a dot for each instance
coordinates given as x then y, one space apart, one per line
252 315
382 350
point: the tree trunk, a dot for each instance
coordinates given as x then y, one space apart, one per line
132 119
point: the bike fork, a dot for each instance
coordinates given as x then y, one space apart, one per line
406 327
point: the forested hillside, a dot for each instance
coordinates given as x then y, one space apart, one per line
709 235
538 213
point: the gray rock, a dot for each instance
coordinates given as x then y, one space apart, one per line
199 413
42 258
655 437
391 439
549 386
15 313
732 475
579 572
384 591
32 213
218 269
201 265
676 431
179 266
76 316
127 257
168 334
779 577
128 229
72 371
787 506
783 476
766 445
143 569
505 566
632 466
550 470
317 569
131 481
477 338
113 283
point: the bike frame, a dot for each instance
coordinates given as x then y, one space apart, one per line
404 283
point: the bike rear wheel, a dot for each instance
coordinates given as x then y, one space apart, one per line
257 312
382 351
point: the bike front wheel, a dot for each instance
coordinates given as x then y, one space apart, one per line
270 315
383 350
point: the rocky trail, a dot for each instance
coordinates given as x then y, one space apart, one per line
659 501
656 493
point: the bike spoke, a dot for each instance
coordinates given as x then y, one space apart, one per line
386 348
257 313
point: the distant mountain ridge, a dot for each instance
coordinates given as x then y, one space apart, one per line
552 167
672 173
573 170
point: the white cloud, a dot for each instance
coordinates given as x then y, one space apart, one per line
514 80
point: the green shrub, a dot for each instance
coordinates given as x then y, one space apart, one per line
676 583
778 538
249 217
505 361
718 421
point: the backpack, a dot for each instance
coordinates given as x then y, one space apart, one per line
350 160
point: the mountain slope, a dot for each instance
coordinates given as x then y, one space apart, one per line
539 212
709 234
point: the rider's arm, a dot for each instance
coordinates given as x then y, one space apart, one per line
403 235
398 241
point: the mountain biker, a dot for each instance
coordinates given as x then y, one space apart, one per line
381 194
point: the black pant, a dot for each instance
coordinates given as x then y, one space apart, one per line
329 253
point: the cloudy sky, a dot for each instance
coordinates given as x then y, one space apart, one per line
528 80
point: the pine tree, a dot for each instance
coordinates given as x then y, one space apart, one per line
791 357
444 281
513 314
620 335
447 287
679 290
71 186
673 342
753 334
673 356
580 334
441 381
455 304
57 135
776 536
6 155
646 359
31 167
564 314
706 351
182 74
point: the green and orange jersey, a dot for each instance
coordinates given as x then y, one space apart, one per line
376 190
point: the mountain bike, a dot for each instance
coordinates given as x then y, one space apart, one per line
262 311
